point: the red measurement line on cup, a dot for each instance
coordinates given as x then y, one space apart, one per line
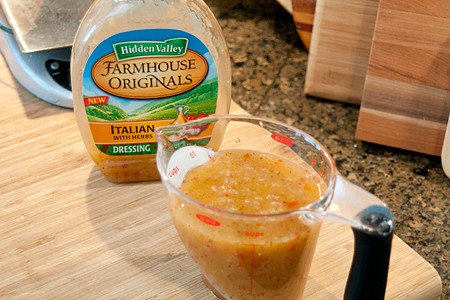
282 139
253 234
252 273
207 220
252 262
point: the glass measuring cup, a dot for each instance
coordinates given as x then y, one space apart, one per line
257 256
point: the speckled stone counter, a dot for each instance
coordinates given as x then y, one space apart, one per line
269 65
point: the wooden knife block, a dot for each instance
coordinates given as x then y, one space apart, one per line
340 47
391 57
406 99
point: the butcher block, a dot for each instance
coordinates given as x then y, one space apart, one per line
303 12
68 233
406 98
340 48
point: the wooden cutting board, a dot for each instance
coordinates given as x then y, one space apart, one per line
406 101
67 233
445 156
340 47
303 12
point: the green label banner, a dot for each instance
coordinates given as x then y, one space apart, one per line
136 49
128 149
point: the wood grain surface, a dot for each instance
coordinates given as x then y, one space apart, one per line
445 156
303 14
406 100
340 49
68 233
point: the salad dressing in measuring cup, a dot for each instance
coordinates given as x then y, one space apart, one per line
134 63
268 259
249 209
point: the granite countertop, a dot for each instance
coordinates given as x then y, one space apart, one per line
269 64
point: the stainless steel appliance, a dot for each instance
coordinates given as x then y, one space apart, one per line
36 38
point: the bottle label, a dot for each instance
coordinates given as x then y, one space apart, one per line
138 80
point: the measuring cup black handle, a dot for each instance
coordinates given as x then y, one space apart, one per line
369 271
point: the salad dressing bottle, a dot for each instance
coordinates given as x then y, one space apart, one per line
133 63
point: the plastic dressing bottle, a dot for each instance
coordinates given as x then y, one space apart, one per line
140 64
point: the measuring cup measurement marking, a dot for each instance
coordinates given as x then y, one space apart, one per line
207 220
282 139
253 234
253 275
252 268
174 171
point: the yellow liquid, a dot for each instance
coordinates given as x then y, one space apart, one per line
249 257
250 183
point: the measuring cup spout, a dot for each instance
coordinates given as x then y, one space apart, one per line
373 228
